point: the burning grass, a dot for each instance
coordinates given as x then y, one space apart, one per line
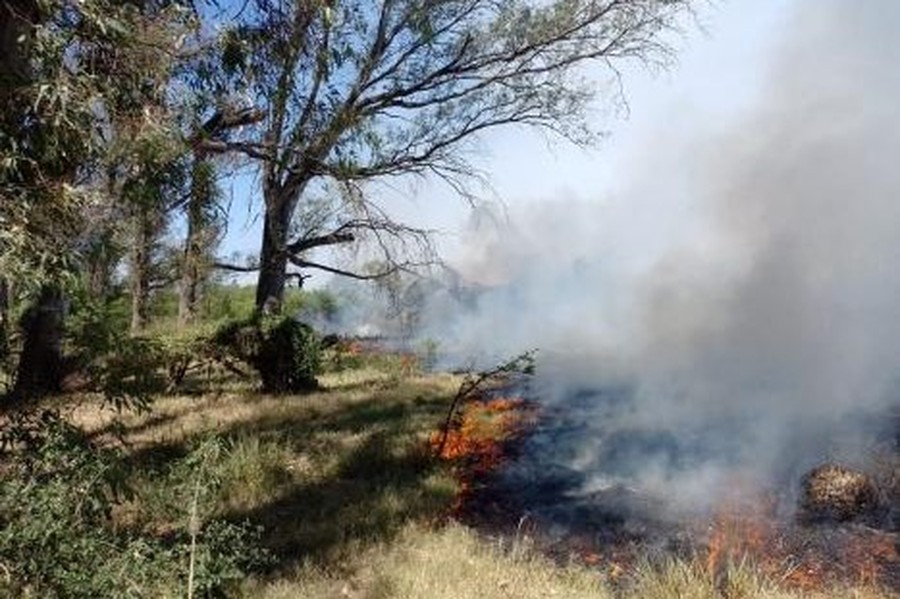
744 549
479 443
799 557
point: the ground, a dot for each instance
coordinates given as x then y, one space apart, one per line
353 503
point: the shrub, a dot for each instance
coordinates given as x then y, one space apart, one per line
128 371
57 537
55 502
285 352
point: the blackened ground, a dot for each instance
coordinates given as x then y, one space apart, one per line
569 514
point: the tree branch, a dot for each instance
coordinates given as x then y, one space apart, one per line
345 273
234 267
333 238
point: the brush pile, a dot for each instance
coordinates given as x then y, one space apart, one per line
831 492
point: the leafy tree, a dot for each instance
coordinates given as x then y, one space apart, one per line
76 78
146 198
355 90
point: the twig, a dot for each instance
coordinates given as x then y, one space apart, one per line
472 385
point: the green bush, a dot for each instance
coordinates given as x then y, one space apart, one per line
285 352
55 502
57 537
128 371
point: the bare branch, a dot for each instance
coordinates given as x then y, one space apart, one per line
333 238
235 267
344 273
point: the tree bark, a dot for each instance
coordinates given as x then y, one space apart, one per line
272 269
196 244
273 259
100 264
189 291
41 364
17 20
4 319
141 256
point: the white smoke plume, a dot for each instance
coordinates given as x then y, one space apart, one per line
764 339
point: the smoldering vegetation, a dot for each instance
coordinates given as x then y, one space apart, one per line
735 322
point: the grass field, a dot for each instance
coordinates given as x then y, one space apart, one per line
349 499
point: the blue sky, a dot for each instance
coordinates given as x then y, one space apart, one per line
719 70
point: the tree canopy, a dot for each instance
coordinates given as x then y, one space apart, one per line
120 117
355 90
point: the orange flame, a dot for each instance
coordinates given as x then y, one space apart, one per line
478 441
793 555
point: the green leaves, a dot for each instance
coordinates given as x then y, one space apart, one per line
284 351
234 51
57 536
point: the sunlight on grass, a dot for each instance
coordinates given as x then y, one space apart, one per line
451 563
351 502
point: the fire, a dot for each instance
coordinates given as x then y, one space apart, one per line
483 427
871 557
799 557
746 528
739 529
613 562
478 442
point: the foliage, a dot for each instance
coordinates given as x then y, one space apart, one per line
357 91
225 554
284 351
127 370
132 375
219 553
57 534
317 305
83 68
223 302
85 139
55 505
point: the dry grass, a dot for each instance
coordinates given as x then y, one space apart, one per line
325 474
446 563
352 506
454 563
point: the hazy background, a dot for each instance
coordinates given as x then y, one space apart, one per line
741 277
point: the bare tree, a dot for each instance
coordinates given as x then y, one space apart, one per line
355 90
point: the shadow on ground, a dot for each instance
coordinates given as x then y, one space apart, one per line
372 472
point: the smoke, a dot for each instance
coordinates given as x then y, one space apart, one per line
758 332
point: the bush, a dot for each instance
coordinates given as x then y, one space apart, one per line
285 352
57 537
128 371
55 502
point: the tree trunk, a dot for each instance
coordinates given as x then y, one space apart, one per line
189 291
17 20
100 263
199 241
141 256
4 320
272 270
273 259
40 366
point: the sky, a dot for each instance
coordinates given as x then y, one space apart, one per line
719 69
